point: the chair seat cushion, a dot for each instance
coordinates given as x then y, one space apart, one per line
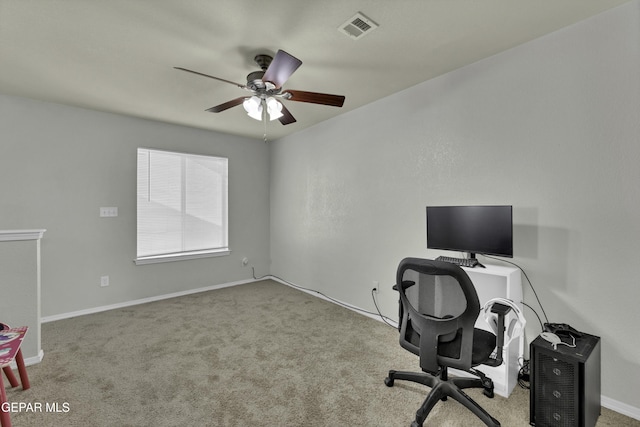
484 343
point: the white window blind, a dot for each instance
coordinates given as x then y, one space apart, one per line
182 206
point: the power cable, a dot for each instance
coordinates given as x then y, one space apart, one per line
340 303
530 285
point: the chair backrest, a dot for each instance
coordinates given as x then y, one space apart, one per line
439 305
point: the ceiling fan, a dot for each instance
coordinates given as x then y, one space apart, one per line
266 89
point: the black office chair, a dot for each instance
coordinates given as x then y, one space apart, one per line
438 309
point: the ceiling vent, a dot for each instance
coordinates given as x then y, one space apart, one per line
358 26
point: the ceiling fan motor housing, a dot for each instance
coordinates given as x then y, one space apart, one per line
254 79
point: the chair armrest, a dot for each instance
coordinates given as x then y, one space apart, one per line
406 284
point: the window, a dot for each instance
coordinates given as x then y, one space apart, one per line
182 206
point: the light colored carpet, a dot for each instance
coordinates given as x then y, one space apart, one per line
260 354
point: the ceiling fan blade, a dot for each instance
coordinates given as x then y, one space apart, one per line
287 118
281 68
241 86
315 97
226 105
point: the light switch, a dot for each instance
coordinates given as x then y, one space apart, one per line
108 211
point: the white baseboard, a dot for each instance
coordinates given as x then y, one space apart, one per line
33 360
621 408
61 316
333 300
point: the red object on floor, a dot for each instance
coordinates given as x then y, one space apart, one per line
10 342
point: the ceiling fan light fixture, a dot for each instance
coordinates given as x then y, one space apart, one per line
266 87
274 108
253 107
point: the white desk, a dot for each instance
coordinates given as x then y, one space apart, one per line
500 282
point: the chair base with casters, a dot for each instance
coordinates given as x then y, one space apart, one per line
442 387
438 309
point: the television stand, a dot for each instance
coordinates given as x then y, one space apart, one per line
462 262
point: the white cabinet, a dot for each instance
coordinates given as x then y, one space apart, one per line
20 286
500 282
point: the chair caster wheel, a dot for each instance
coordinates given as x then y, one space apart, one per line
415 424
388 382
488 393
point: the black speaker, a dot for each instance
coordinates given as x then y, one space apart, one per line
565 382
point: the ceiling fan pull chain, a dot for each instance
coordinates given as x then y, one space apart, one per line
264 121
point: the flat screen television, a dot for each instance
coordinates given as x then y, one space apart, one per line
474 229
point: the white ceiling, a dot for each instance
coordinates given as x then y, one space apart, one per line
118 55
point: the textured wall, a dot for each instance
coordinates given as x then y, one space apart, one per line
59 164
550 127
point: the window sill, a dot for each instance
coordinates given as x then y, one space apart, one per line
155 259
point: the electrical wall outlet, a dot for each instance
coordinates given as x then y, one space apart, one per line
104 281
245 261
376 286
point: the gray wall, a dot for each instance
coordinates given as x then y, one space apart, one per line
59 164
551 127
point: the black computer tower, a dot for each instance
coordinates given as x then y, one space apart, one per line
565 383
